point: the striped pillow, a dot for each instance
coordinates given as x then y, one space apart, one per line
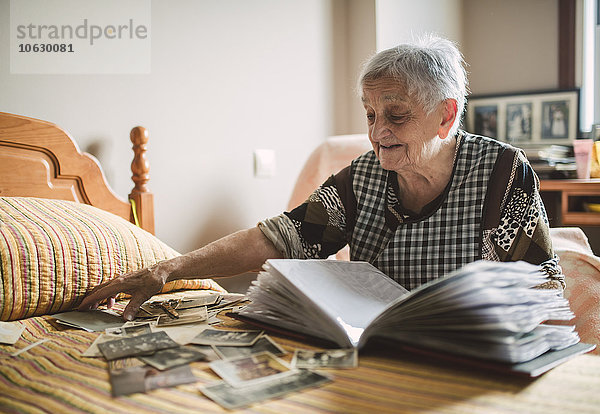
52 252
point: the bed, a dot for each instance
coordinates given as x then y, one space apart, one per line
63 231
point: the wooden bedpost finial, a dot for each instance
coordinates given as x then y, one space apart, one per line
142 199
140 167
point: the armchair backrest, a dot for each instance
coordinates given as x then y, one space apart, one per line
328 158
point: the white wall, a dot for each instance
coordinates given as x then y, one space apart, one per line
227 77
354 42
399 20
511 45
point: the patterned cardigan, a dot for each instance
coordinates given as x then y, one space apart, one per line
491 209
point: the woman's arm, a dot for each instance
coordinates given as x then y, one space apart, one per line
237 253
315 229
515 225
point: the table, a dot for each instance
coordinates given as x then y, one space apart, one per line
53 377
571 196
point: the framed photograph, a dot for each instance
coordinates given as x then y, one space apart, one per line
542 117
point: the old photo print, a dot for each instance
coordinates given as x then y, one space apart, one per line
145 344
232 398
142 378
173 357
252 369
184 316
227 338
130 330
330 358
263 344
10 332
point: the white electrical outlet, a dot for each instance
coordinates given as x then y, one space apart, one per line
264 163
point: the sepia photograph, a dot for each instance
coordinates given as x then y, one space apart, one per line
236 397
92 351
130 330
263 344
10 332
92 321
251 369
145 344
226 338
143 378
183 316
173 357
210 354
330 358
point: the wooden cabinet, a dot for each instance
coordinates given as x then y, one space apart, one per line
566 201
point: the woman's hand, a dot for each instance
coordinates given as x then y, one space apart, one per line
237 253
141 285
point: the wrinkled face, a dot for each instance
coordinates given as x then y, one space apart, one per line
403 135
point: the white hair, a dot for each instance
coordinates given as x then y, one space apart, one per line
432 69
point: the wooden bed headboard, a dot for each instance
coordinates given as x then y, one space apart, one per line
39 159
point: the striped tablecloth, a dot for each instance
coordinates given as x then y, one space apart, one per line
53 377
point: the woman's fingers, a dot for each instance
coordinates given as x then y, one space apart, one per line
133 306
109 290
141 285
101 293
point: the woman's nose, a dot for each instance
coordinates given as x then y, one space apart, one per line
379 129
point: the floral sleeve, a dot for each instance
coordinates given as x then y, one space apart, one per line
315 229
515 223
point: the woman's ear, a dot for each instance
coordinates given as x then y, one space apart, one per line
449 112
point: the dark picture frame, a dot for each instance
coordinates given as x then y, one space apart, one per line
540 117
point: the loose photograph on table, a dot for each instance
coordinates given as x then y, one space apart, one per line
226 338
263 344
328 358
252 369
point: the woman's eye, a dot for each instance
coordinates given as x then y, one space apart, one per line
397 118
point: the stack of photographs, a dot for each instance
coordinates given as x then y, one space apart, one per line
147 361
172 332
251 370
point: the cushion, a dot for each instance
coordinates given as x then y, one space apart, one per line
582 276
53 252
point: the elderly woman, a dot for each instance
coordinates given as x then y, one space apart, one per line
425 201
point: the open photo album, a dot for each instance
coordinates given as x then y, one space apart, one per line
485 310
